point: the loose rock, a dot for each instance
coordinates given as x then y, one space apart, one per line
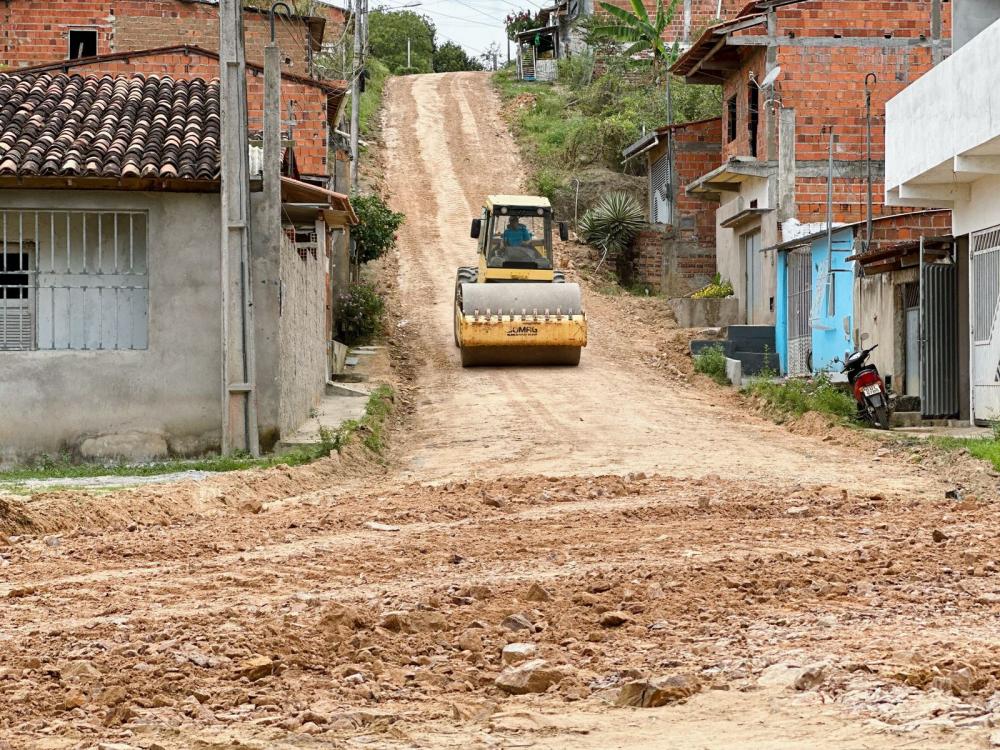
256 668
643 694
516 653
792 677
535 676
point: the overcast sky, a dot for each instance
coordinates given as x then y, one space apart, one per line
472 23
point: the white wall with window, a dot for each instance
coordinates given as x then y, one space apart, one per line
110 323
73 280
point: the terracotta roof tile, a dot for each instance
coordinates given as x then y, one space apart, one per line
109 126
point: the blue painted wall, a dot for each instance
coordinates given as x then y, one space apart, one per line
829 338
781 313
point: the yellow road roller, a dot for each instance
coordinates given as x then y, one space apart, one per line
514 308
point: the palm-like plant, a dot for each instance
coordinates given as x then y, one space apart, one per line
640 32
613 222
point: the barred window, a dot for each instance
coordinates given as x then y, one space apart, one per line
73 280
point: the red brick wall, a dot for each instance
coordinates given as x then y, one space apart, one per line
702 14
737 86
825 86
696 152
681 258
910 227
309 102
35 32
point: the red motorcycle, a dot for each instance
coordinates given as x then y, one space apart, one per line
869 389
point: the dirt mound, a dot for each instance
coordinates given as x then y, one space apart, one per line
238 492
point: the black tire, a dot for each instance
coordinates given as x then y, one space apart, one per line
880 416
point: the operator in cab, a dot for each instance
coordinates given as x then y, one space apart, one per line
516 234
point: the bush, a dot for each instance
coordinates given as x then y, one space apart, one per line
717 289
577 70
376 232
547 182
712 362
360 314
796 397
409 71
613 222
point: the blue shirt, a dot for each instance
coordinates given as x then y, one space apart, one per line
518 236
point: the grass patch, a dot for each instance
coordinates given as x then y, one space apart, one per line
712 362
371 428
984 448
796 397
371 100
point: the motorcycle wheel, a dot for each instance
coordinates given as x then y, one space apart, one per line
881 417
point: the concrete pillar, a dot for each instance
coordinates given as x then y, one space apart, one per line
267 259
786 164
238 371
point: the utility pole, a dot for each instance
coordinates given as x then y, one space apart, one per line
239 397
356 71
409 63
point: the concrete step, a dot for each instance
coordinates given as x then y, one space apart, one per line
347 377
700 345
752 338
754 362
347 390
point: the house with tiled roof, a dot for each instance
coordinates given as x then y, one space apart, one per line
312 107
111 271
180 39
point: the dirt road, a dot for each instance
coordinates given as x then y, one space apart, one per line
798 590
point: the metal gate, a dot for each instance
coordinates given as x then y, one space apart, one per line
799 286
985 292
939 367
659 195
754 272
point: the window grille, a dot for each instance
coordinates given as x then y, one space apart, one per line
75 280
659 183
986 278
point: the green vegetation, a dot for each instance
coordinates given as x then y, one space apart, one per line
360 314
371 427
371 99
984 448
388 32
613 222
795 397
717 289
712 362
450 57
642 34
375 235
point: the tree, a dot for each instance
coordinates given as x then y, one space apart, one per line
388 32
491 56
450 57
639 31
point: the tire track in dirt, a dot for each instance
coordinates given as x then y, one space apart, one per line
612 412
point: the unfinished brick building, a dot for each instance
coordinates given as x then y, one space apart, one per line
677 255
772 177
35 32
312 107
691 17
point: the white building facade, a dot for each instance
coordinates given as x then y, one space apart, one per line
943 151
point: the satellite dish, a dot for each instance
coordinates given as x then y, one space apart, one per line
771 77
